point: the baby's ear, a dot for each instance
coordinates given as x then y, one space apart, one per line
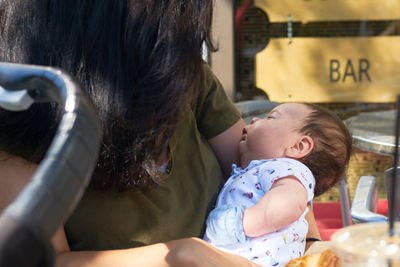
301 148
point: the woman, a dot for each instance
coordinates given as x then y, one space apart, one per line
170 132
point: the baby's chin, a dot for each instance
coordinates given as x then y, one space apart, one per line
244 162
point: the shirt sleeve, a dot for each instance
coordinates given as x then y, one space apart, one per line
214 111
283 167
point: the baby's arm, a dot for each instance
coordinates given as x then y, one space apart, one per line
279 207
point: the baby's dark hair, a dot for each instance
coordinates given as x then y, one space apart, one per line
330 156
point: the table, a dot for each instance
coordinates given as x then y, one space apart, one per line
374 131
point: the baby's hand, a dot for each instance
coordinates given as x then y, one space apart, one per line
224 226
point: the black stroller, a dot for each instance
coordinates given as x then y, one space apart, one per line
27 224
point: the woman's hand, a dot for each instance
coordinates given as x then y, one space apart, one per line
197 252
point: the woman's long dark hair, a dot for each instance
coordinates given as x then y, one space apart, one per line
139 60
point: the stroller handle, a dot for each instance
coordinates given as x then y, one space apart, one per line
27 224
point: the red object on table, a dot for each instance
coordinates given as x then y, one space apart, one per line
328 216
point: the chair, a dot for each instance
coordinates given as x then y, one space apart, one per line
365 203
328 218
365 207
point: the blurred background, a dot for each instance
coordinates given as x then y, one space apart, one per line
341 54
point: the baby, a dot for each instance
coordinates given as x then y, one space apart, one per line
297 151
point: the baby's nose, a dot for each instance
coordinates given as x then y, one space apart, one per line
253 120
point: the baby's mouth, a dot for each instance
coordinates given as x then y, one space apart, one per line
244 134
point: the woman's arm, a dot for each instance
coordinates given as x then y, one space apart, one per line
183 252
279 207
226 146
313 231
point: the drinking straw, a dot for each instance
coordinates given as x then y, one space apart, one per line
394 173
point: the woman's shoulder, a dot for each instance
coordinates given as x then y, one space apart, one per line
214 110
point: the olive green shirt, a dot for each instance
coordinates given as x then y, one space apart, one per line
177 209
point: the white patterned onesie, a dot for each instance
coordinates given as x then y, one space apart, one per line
246 187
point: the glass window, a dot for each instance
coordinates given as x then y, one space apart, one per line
342 54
